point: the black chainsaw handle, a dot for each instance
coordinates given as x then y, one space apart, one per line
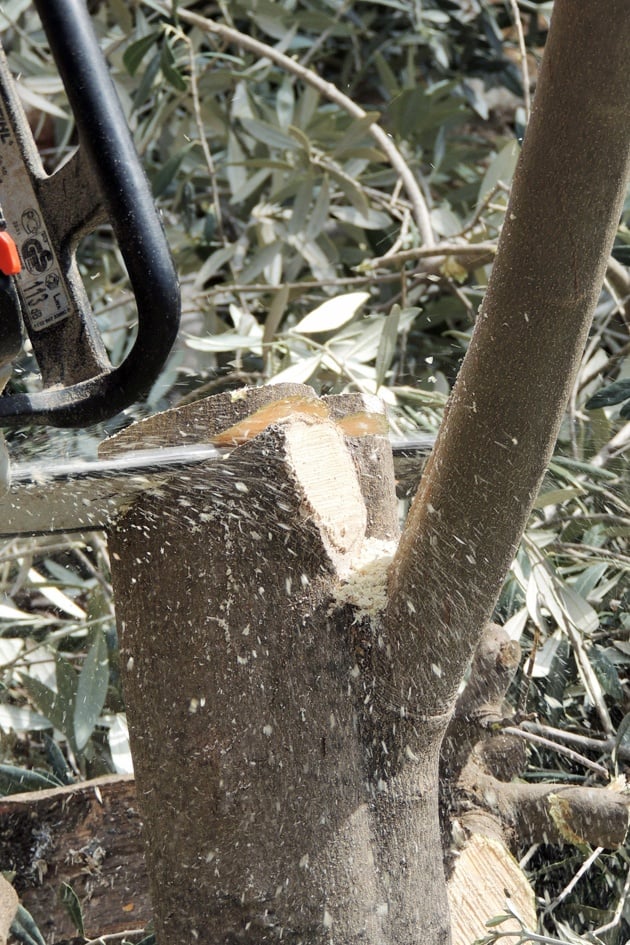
104 137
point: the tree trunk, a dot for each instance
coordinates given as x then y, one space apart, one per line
286 713
503 417
246 698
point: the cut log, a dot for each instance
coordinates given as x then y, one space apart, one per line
86 836
487 878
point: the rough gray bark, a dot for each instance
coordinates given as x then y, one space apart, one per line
243 687
555 813
482 766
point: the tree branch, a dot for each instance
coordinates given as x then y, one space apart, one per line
501 423
561 749
551 813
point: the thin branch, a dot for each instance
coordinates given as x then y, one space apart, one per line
527 99
484 205
585 670
602 745
615 447
611 361
618 911
203 141
402 237
554 813
584 868
561 749
116 937
581 550
438 249
619 278
321 39
330 91
307 284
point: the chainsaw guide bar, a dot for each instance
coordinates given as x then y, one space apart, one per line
80 496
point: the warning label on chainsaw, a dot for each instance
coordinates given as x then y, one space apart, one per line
40 283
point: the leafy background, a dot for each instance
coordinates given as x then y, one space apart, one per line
297 248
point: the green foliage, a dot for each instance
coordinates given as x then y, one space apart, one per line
14 780
24 928
616 393
75 705
72 906
295 240
58 660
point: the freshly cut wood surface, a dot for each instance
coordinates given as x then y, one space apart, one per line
485 874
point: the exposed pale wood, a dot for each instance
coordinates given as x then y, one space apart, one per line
50 498
362 419
484 874
557 813
8 905
86 835
232 416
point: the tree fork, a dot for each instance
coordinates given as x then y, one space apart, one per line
271 820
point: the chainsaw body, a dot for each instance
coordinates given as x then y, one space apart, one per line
42 219
45 216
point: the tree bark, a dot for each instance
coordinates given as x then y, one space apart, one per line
504 414
244 691
555 813
503 417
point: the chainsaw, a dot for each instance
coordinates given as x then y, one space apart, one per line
43 219
42 297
